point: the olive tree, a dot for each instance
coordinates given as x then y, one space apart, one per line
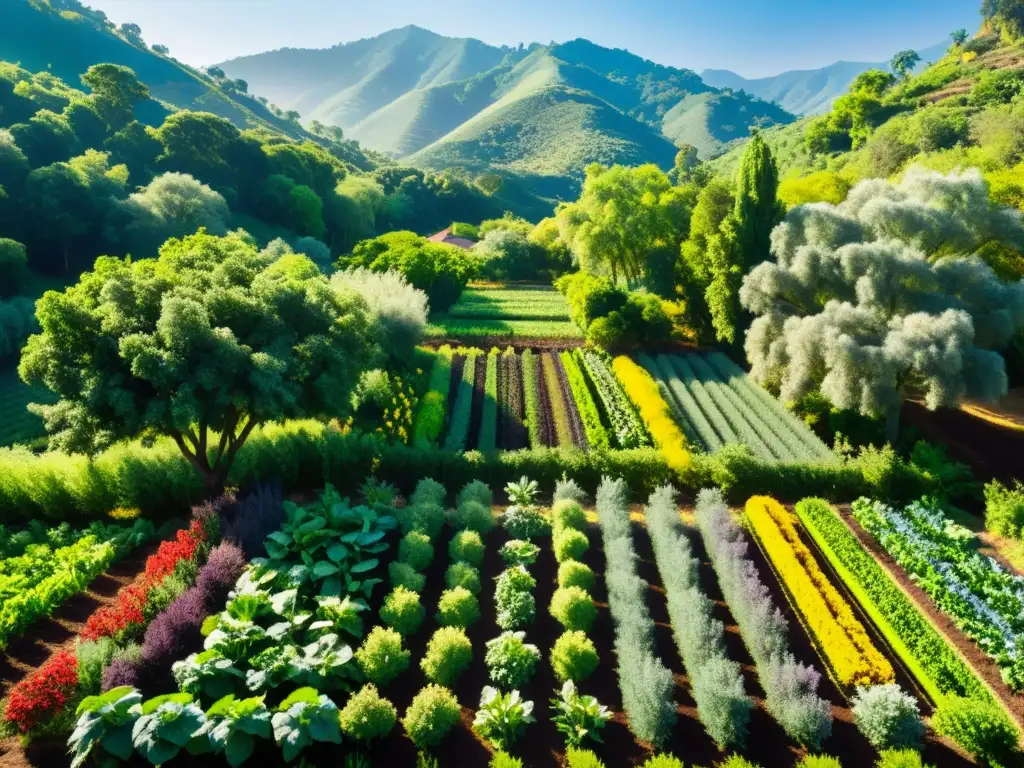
879 295
202 344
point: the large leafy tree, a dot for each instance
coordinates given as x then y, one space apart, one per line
876 297
719 256
202 344
116 90
903 63
621 215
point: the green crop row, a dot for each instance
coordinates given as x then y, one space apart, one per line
458 430
625 423
531 391
596 434
489 417
429 425
559 406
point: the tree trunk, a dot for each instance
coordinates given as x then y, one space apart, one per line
892 423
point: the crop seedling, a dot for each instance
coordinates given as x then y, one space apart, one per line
502 718
578 717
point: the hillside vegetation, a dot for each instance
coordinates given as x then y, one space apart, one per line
539 113
65 38
808 91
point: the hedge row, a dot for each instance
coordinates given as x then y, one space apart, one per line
306 454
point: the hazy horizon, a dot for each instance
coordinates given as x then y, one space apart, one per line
745 36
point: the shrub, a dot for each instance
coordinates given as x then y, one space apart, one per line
381 656
981 728
505 760
502 717
432 713
1004 509
473 516
519 552
567 513
516 610
398 309
575 574
368 715
567 489
888 717
428 491
573 608
457 607
476 491
511 661
573 657
449 652
895 758
402 611
819 761
404 575
463 575
663 761
582 758
416 550
735 761
468 547
516 605
425 517
525 522
570 544
93 657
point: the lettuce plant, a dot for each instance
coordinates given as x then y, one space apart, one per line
519 552
232 727
578 717
208 673
502 717
165 726
104 727
303 718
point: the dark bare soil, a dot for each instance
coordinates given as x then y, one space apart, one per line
990 450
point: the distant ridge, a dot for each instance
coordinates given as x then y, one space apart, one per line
541 112
807 91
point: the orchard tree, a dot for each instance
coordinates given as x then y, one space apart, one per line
620 216
876 297
203 344
903 63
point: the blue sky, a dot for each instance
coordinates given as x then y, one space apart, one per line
752 37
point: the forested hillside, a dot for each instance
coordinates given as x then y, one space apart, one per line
65 38
808 91
537 113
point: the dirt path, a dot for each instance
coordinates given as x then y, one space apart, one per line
27 653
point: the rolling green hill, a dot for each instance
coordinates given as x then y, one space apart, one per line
541 113
66 38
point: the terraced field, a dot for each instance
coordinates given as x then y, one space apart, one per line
529 313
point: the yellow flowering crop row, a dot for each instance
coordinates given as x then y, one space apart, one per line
840 636
643 391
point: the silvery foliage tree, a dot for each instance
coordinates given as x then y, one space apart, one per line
879 294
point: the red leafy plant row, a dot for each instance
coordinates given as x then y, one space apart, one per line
48 690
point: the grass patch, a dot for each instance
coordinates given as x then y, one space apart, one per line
534 329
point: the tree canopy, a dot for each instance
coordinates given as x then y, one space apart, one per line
878 296
622 214
203 344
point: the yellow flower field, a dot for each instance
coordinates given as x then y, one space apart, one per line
654 411
840 636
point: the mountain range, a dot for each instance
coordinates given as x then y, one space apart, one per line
808 91
541 111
